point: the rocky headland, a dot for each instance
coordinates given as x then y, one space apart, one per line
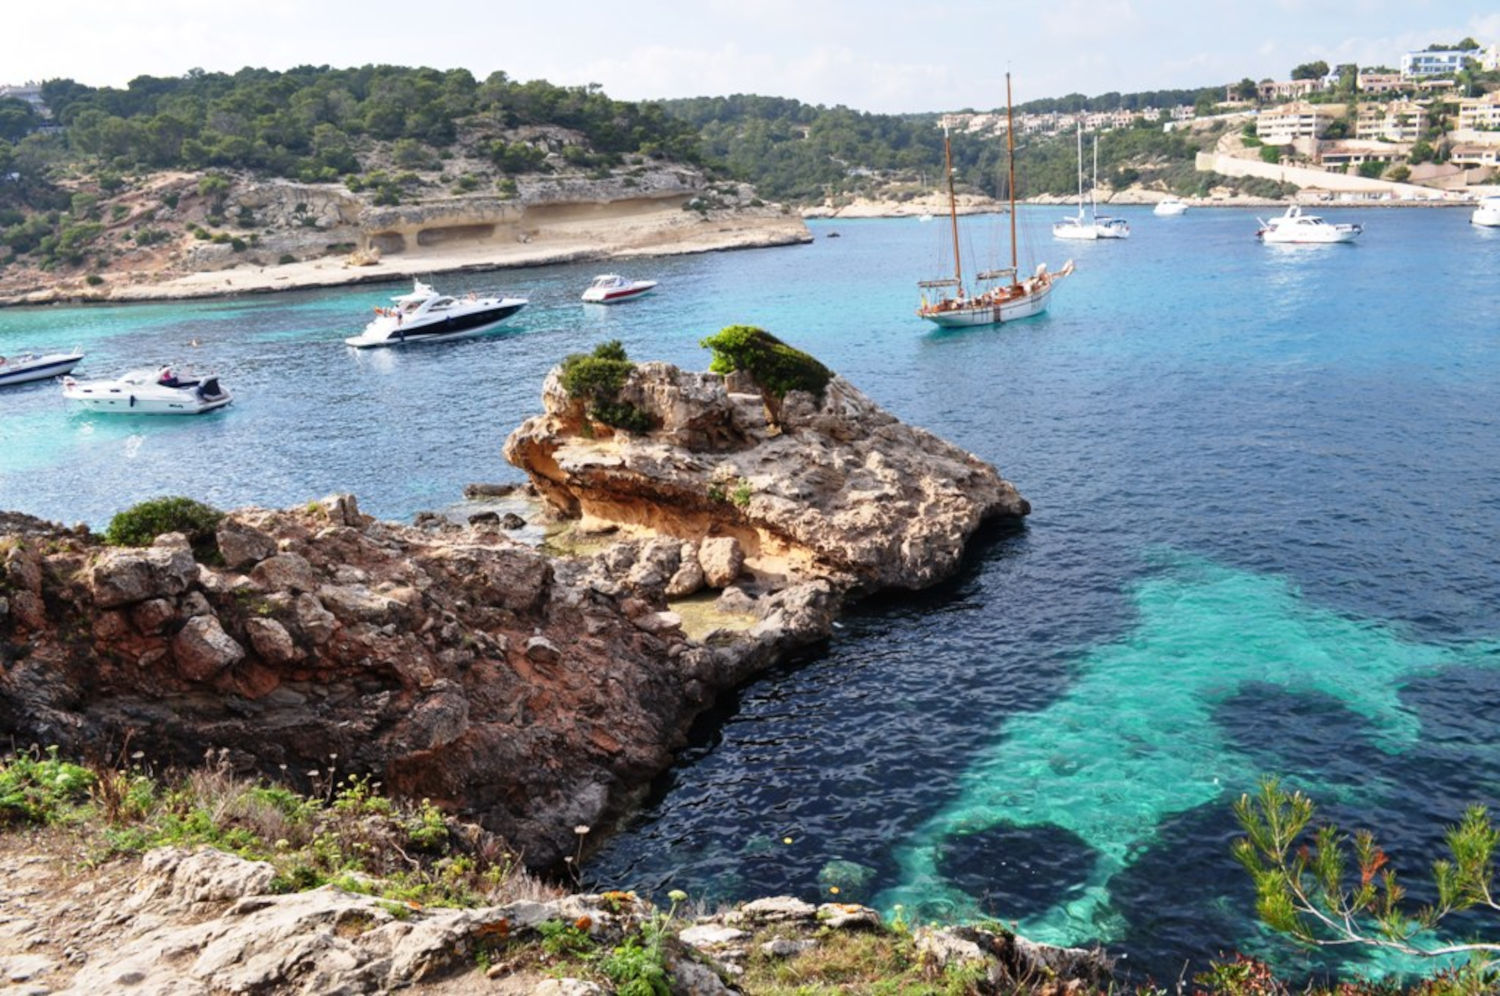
535 691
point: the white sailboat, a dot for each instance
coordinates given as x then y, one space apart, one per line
1001 296
1095 225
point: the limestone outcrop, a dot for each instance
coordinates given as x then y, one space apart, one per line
452 662
193 923
837 489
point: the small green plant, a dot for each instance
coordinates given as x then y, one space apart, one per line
93 280
141 524
775 367
1303 888
38 787
561 940
285 258
740 496
596 379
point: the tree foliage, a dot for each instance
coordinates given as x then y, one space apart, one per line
302 122
1307 887
142 523
775 367
596 379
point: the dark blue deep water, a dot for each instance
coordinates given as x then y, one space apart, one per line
1266 485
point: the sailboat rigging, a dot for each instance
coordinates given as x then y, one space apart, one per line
1098 226
999 302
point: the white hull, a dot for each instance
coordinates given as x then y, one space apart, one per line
138 394
1075 230
1487 214
25 369
989 314
1296 228
424 315
609 288
1169 208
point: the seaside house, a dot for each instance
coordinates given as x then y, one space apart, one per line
1285 125
1346 156
1271 91
1397 121
1479 113
1379 82
1415 65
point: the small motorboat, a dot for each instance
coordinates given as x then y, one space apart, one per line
150 392
1296 227
1487 212
1170 206
611 288
30 366
424 315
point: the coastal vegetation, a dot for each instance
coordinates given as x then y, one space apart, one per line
775 367
1307 888
596 379
142 523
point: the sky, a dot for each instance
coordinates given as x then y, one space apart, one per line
874 55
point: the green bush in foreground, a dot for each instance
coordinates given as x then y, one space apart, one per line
140 524
1306 887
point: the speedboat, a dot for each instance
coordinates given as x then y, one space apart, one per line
1487 213
611 288
29 366
424 315
1170 206
150 392
1294 226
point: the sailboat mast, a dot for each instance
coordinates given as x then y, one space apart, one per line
1094 186
1080 169
1010 158
958 274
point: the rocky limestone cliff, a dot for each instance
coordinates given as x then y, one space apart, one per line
449 662
839 489
195 923
531 693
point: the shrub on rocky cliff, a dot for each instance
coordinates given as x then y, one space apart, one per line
140 524
596 378
775 367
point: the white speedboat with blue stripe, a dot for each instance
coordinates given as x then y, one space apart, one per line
29 366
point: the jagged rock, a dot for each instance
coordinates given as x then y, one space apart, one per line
721 559
847 491
152 615
484 519
271 641
542 650
316 623
286 572
242 545
733 599
846 916
687 580
202 649
125 576
511 520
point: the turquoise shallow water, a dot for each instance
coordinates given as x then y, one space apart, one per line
1266 501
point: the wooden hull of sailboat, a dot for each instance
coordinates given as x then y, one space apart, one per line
990 312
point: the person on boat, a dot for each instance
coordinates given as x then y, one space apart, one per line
166 378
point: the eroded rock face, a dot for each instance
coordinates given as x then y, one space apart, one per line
839 489
449 663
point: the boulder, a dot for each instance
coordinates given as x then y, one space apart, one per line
202 649
126 576
242 545
271 641
721 559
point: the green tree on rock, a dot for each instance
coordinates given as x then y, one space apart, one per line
775 367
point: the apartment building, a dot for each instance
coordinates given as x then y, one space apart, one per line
1285 125
1396 121
1415 65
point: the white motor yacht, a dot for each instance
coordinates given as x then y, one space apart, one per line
31 366
1170 206
1487 212
424 315
150 392
1296 227
611 288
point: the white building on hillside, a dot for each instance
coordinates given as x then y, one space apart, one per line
1418 64
1284 125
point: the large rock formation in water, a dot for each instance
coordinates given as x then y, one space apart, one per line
836 488
528 691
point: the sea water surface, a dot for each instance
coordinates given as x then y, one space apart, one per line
1266 491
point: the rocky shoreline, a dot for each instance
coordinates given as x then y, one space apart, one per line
529 692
